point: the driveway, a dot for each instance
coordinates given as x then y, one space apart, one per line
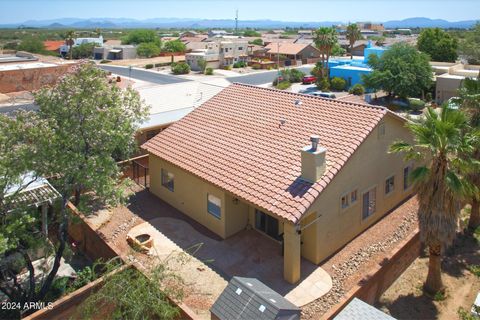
262 77
143 75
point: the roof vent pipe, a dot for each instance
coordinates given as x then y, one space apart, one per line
315 139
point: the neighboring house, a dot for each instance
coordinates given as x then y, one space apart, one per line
118 52
243 160
293 53
64 49
352 70
169 103
218 54
358 48
449 77
248 298
53 46
305 32
217 33
190 33
359 310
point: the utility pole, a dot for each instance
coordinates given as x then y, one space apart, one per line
236 22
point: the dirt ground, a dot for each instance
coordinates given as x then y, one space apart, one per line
406 300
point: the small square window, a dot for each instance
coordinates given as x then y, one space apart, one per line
214 206
389 185
168 180
353 196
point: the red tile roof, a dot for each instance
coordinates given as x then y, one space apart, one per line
53 45
235 141
287 48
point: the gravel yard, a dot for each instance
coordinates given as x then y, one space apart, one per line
348 266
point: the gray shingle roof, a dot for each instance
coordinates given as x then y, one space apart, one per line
248 298
359 310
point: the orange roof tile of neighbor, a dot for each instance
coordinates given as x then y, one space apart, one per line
287 48
236 141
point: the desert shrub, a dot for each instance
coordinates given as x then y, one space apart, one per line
180 68
357 90
148 50
283 85
162 64
256 66
208 71
475 269
323 84
149 66
240 64
227 68
338 83
295 75
416 104
105 61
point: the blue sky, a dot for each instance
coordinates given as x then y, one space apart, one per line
12 11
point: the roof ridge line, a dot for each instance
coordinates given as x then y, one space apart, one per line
310 96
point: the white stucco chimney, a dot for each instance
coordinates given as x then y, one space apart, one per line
313 160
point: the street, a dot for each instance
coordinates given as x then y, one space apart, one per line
143 75
262 77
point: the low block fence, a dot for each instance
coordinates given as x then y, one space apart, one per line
382 276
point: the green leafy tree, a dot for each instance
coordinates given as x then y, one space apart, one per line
135 296
19 224
337 50
469 101
353 34
469 46
202 64
93 124
83 51
32 45
438 44
401 71
338 83
142 36
180 68
325 40
439 141
251 33
174 46
258 42
148 50
357 89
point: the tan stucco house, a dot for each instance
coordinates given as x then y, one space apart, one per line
310 172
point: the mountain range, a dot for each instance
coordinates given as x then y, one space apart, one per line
221 23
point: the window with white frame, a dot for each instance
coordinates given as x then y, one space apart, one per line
369 202
168 180
389 185
214 206
348 199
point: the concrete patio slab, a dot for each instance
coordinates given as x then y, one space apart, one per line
248 254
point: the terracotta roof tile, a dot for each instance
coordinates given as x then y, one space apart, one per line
235 141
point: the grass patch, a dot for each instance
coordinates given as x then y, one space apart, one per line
475 269
439 296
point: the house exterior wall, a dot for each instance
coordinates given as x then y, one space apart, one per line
446 88
369 167
190 196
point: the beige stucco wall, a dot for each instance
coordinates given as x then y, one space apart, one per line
446 88
190 196
370 166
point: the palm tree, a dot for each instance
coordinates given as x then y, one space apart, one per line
439 139
70 41
325 39
353 34
469 101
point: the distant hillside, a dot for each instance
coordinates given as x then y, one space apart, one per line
224 23
428 23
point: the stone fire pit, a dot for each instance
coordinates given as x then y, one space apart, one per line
142 242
